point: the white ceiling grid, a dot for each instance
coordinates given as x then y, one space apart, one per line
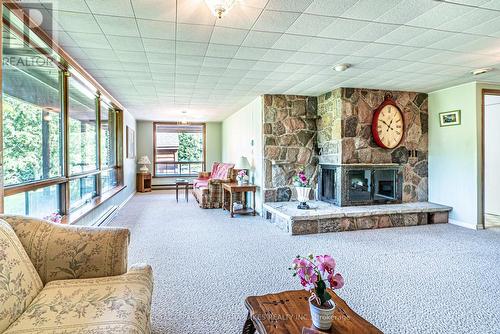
159 57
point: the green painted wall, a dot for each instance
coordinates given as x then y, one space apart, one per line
213 145
242 136
455 160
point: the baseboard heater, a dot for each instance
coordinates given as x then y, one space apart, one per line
107 216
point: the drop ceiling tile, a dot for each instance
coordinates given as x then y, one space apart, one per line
372 50
241 64
310 25
230 36
68 5
119 26
159 45
111 7
428 37
330 7
482 45
86 40
156 29
184 69
122 43
291 42
250 53
265 66
216 62
438 15
109 65
490 27
163 10
372 31
493 4
76 22
261 39
369 9
222 51
194 12
277 56
191 48
406 10
289 5
194 33
470 19
189 60
401 35
241 17
301 57
161 68
131 56
100 53
135 67
274 21
342 28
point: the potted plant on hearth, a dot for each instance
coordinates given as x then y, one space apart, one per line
303 187
315 272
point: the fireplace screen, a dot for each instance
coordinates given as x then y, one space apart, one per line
384 185
359 185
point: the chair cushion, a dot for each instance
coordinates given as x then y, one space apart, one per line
19 281
223 171
114 304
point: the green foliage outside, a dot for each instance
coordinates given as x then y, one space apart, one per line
22 142
190 147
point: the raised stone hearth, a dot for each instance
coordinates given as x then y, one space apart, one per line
324 217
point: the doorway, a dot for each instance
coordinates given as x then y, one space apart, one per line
491 158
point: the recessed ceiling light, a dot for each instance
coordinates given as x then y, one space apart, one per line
482 70
341 67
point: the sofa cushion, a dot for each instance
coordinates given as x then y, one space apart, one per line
222 172
199 183
114 304
215 166
19 281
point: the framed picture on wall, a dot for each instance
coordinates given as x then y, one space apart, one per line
450 118
130 143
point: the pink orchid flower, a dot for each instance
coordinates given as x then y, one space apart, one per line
336 281
326 263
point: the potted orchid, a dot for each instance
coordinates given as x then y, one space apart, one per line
242 177
315 273
303 187
54 217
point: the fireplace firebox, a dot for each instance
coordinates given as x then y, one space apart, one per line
356 184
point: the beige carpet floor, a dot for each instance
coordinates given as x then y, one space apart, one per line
426 279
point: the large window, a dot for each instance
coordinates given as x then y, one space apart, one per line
82 128
32 121
52 121
179 150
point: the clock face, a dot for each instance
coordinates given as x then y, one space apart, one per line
388 126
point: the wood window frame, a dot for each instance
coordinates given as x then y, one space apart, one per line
64 64
204 132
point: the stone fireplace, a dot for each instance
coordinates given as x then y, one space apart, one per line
358 184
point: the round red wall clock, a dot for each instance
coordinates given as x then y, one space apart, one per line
388 124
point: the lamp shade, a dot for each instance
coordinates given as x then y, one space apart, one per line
144 160
242 163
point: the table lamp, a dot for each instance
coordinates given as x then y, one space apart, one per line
144 161
243 163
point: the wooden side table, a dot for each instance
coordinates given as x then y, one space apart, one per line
143 182
288 313
228 189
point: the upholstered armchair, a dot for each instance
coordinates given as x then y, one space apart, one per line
207 188
70 279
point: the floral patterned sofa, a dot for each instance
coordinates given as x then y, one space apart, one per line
207 188
63 279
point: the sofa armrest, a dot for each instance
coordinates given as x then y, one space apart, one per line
65 252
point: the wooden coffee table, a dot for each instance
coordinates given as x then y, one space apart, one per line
288 313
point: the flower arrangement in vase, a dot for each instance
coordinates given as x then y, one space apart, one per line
54 217
315 272
242 177
303 187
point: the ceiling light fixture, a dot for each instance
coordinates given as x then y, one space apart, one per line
482 70
184 120
220 7
341 67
